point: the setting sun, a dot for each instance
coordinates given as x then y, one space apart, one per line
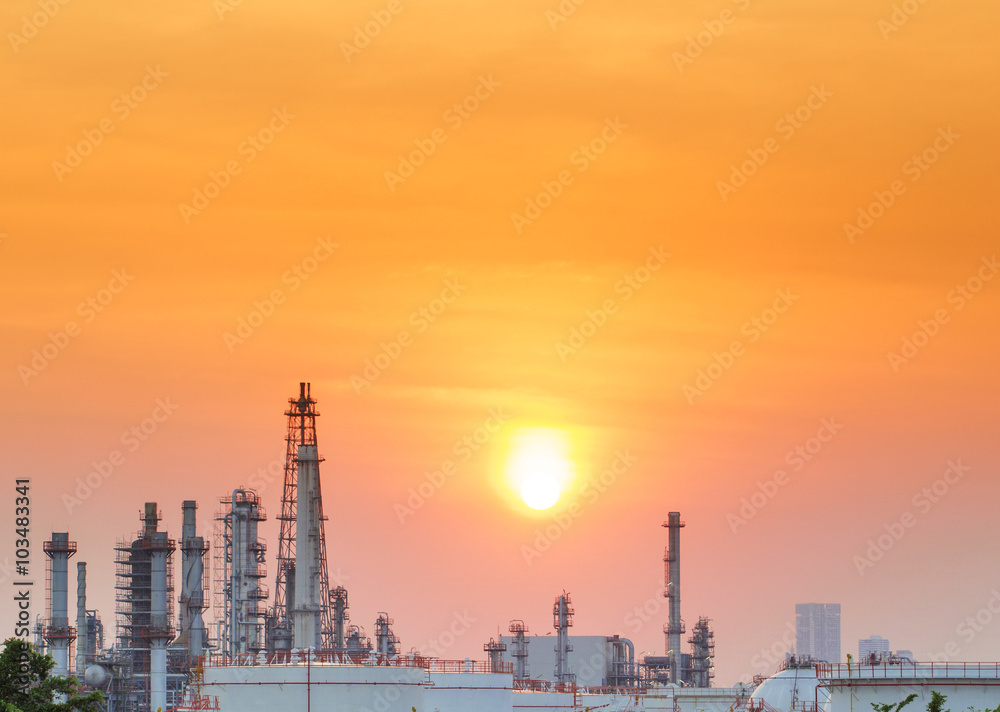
540 467
540 491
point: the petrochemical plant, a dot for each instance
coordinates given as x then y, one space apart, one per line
298 648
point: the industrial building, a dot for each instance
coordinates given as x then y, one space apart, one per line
299 648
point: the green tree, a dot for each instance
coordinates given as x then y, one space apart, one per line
937 702
893 708
27 685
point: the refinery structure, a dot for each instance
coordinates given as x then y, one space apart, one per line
295 647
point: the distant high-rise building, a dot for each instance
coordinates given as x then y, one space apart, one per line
817 631
876 646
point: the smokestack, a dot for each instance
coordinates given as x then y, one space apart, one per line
83 650
307 605
672 570
192 600
58 633
160 632
150 519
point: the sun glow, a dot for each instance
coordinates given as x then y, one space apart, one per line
539 467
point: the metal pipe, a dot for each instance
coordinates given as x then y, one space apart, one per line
630 664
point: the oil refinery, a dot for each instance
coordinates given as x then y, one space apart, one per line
296 647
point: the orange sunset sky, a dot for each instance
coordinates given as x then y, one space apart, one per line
695 233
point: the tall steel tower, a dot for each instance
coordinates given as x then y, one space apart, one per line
672 571
295 610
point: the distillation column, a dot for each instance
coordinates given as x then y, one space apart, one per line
520 649
338 597
83 650
307 607
672 592
192 600
245 568
386 642
58 633
160 631
495 651
562 619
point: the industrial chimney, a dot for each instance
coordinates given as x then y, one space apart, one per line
58 633
307 607
160 547
672 570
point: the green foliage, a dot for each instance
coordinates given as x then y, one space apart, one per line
937 702
893 708
27 685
